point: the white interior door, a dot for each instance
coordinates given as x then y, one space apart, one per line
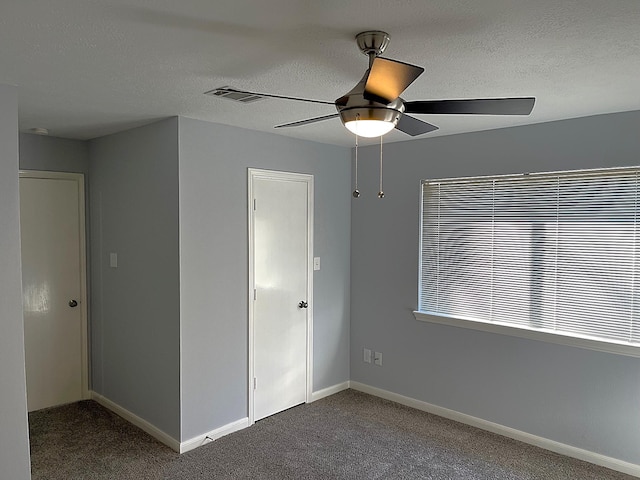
52 230
281 305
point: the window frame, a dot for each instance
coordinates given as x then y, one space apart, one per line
515 330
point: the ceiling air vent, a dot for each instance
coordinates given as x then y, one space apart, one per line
231 93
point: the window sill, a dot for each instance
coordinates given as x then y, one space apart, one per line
540 335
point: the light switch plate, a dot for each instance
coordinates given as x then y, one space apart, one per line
113 260
367 355
316 263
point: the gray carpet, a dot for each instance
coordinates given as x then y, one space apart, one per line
349 435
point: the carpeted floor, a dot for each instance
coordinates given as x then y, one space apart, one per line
349 435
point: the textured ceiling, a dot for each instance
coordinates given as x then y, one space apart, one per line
87 68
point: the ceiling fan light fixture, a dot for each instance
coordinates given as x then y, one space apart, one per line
369 128
370 122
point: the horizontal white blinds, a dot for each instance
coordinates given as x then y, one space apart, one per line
555 252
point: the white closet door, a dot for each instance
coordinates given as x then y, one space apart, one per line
281 260
51 273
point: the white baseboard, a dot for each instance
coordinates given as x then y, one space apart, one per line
141 423
325 392
209 437
561 448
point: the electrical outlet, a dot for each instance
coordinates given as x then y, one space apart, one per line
377 358
367 355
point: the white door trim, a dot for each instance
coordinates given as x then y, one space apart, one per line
254 173
79 179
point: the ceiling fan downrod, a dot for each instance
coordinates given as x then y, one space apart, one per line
372 43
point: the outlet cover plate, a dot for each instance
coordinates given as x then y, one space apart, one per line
377 358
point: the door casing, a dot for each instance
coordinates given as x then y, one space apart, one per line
254 173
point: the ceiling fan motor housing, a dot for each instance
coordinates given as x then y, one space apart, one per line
354 106
383 114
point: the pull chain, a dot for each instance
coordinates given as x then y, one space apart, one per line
356 192
381 192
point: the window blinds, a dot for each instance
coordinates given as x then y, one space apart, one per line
555 252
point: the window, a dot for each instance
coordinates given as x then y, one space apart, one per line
554 253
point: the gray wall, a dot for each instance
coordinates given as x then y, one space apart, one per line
214 263
578 397
135 320
14 443
38 152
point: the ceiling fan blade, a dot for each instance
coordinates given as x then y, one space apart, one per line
389 78
268 95
413 126
308 120
479 106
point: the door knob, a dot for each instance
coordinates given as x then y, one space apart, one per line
303 304
73 303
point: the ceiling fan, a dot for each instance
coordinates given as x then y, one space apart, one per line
374 106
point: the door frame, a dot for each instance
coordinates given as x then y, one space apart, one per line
260 174
79 179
